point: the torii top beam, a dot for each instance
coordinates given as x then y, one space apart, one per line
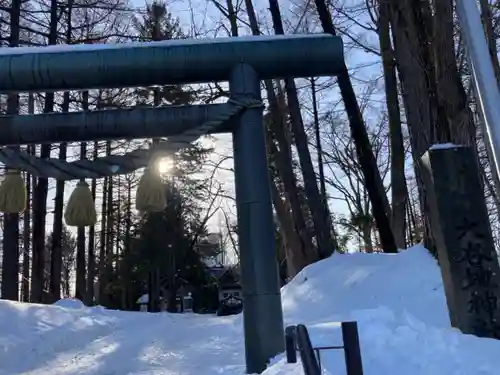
80 67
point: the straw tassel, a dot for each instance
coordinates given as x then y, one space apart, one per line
151 193
80 210
13 193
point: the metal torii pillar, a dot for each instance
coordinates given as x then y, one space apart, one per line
244 62
484 81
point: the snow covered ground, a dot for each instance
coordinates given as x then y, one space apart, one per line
397 300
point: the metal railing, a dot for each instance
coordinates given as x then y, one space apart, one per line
297 339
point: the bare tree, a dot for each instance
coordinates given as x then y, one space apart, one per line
10 245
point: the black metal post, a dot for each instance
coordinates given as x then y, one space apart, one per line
290 348
306 350
352 351
318 357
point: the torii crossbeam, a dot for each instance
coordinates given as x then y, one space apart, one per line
243 62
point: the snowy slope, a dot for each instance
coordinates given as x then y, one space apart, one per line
397 299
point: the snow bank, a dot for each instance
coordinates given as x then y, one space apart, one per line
398 301
70 303
336 288
29 332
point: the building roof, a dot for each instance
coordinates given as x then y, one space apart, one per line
144 299
224 274
217 271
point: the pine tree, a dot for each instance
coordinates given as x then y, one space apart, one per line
159 247
67 243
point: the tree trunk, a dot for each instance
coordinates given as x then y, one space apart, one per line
57 232
102 245
30 181
89 299
295 258
25 284
317 206
444 115
319 148
321 171
410 229
125 271
81 284
366 234
450 91
57 229
282 157
420 111
10 243
373 180
108 268
398 181
66 279
41 189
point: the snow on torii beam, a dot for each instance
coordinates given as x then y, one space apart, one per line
167 62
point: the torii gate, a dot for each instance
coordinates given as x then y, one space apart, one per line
244 62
